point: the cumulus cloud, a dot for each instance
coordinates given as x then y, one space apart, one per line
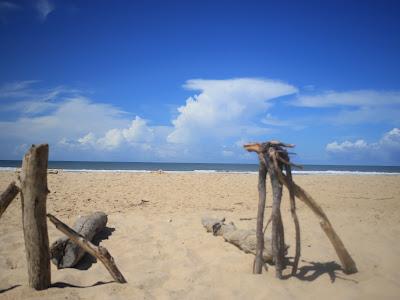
56 116
225 108
223 112
138 132
386 149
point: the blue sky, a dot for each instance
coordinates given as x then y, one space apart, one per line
191 81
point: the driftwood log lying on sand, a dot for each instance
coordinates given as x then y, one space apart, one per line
66 253
245 240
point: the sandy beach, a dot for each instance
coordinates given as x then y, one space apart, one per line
164 252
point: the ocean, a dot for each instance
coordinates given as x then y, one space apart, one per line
95 166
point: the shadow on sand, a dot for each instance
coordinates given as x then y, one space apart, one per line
10 288
61 284
314 270
87 260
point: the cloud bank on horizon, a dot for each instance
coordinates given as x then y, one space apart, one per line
210 126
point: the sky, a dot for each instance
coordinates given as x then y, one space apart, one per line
192 81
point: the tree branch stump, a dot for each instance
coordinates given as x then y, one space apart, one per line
33 195
99 252
8 196
64 252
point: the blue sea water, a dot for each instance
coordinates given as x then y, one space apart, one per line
94 166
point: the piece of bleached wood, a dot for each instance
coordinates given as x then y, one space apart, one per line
33 195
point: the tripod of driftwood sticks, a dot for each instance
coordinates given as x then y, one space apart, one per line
273 158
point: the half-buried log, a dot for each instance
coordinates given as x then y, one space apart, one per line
66 253
245 240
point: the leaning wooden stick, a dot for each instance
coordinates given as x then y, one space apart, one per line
97 251
348 264
33 197
7 196
64 252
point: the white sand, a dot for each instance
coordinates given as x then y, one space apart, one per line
164 252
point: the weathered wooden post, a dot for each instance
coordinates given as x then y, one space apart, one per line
278 239
33 195
262 174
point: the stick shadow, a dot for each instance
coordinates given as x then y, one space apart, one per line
314 270
62 285
87 260
9 289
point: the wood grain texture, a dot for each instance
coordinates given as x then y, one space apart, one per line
33 195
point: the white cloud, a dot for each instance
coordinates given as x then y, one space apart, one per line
225 108
386 149
391 139
355 107
138 133
362 98
71 118
44 8
16 88
347 146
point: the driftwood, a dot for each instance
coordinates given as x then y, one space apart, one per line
99 252
64 252
258 260
245 240
348 264
295 218
275 152
278 238
33 195
7 196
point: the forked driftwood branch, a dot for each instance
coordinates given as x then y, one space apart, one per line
275 156
99 252
8 196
